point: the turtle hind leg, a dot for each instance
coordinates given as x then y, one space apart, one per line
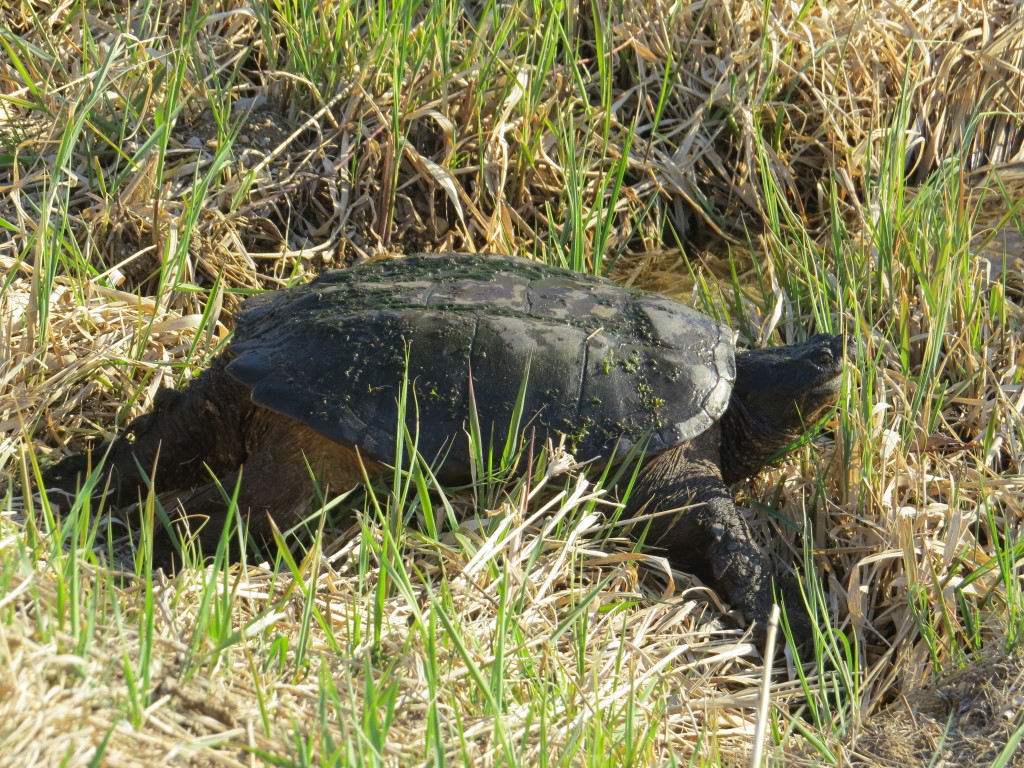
288 470
204 425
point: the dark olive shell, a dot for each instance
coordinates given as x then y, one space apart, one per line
606 366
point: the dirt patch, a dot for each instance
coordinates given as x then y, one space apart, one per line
967 719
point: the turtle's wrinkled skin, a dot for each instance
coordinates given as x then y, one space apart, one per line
313 376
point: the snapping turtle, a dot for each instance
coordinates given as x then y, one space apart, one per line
314 372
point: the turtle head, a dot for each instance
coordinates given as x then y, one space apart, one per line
780 392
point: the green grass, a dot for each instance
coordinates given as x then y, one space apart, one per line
718 154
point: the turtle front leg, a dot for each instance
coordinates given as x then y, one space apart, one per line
708 535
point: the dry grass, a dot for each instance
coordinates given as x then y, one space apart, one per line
856 164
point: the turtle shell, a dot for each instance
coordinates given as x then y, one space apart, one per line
607 366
